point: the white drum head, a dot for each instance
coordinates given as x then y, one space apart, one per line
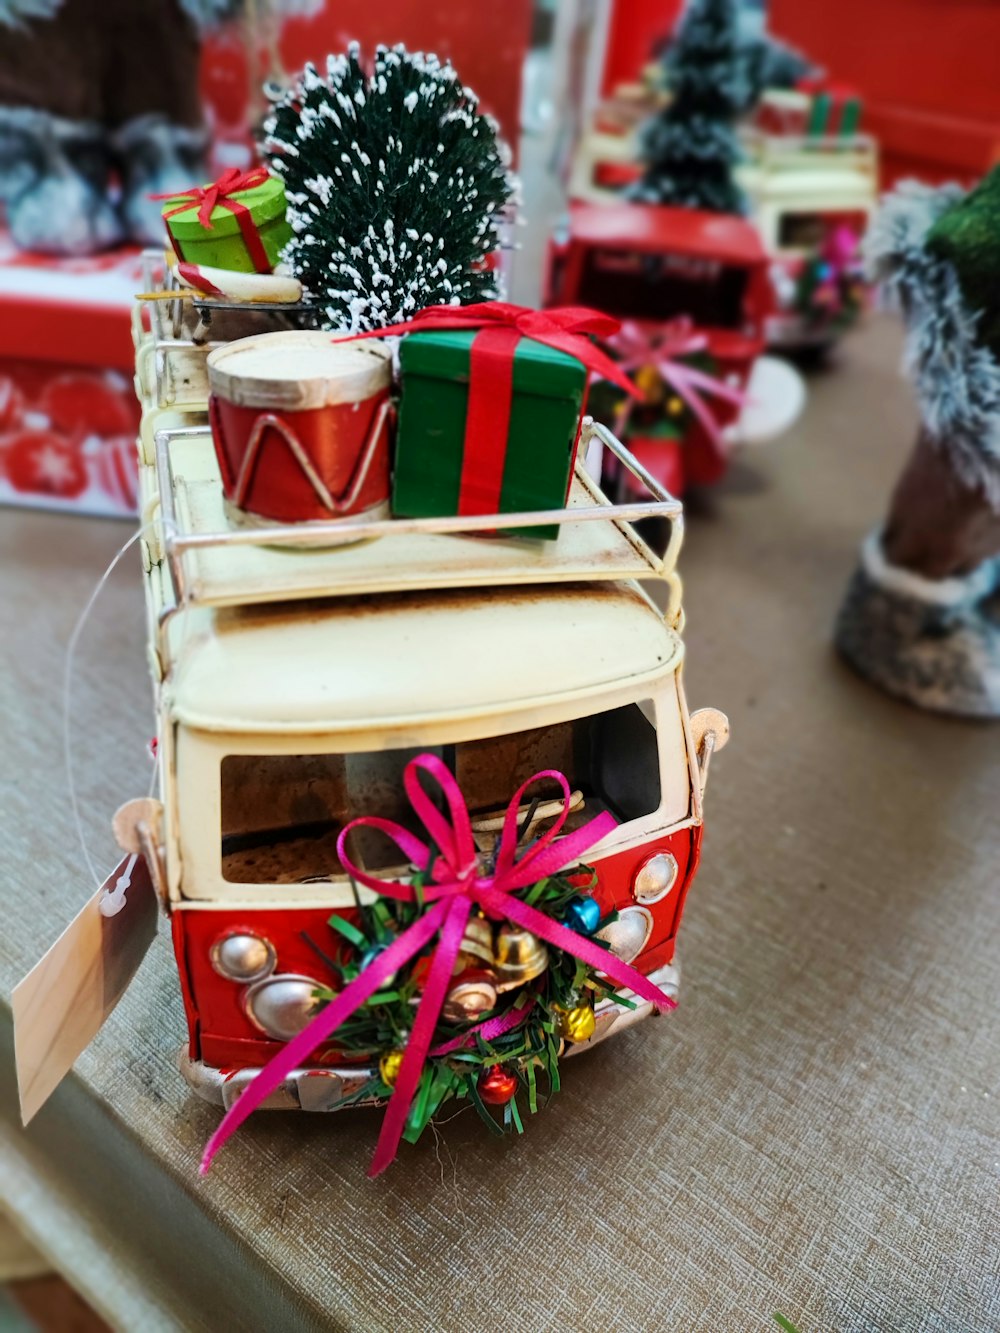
299 370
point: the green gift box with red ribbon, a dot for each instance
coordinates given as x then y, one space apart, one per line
492 400
237 222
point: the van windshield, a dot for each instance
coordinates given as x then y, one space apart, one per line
281 814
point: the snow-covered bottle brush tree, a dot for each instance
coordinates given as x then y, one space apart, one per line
690 149
396 184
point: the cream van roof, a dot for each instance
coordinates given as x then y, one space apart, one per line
349 663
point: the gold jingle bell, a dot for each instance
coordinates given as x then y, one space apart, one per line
389 1066
519 957
477 943
473 993
648 382
675 406
577 1024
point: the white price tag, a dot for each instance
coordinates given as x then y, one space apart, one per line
63 1002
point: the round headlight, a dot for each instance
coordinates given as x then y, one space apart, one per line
282 1005
243 956
655 879
629 933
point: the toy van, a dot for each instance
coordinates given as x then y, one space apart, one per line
297 668
812 199
651 265
811 192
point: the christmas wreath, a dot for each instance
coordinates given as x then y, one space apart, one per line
416 999
511 1005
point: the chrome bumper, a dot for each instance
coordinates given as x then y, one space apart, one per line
322 1089
791 331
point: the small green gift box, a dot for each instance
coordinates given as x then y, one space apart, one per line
236 223
508 446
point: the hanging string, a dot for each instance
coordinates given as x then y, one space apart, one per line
114 899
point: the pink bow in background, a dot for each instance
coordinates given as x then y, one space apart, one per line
661 348
842 250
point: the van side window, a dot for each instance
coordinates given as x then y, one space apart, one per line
807 231
281 814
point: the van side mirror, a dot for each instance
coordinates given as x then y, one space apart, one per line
138 827
710 733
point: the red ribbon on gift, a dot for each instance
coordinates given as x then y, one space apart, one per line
491 375
220 194
660 348
457 885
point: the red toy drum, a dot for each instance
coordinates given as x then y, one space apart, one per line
301 425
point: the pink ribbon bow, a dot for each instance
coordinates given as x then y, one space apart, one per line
208 197
842 250
660 349
457 885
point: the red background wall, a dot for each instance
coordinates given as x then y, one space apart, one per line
486 42
928 70
634 28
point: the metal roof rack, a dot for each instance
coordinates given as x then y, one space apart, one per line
170 357
212 562
778 152
169 362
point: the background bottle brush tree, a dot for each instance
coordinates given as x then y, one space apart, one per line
689 150
396 183
920 616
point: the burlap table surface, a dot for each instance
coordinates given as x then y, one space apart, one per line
814 1131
